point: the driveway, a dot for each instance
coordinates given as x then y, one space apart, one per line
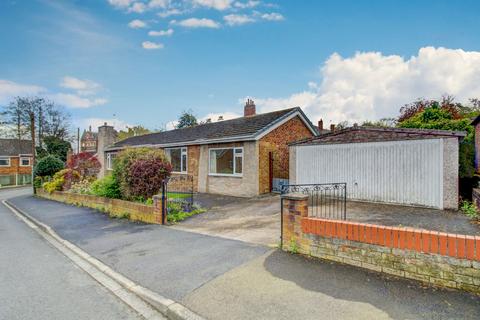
254 220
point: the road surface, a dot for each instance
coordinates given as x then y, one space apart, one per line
38 282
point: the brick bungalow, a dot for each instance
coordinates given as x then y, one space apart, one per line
15 161
239 157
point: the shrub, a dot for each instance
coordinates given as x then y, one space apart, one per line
469 209
85 164
106 187
125 159
62 180
47 166
81 187
176 212
145 176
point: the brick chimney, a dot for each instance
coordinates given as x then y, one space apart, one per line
249 109
320 125
332 127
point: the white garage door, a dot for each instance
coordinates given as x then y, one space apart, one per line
403 172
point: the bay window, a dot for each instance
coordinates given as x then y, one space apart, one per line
178 158
226 161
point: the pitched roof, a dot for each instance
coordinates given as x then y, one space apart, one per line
15 147
239 129
358 134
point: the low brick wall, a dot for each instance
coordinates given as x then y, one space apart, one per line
441 259
114 207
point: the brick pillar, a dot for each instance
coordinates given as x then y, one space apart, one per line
295 207
157 208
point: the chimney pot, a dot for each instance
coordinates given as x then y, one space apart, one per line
320 125
249 109
90 128
208 120
104 123
220 118
332 127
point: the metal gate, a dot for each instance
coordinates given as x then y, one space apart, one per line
177 194
327 200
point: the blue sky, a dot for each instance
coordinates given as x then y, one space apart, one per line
339 60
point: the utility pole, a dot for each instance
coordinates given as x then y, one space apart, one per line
78 140
32 131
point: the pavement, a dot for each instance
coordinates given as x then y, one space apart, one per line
221 278
253 220
38 282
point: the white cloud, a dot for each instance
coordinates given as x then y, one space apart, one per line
371 85
246 5
120 3
169 12
237 19
137 24
161 33
158 3
197 23
214 4
272 16
75 101
138 7
83 87
97 122
10 89
152 45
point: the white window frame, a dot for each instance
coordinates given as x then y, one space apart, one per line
25 165
239 175
183 152
110 160
5 158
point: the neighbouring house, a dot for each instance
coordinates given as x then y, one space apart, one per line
393 165
88 141
245 156
15 162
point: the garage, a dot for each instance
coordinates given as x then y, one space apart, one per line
389 165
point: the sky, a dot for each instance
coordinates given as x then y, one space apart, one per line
142 62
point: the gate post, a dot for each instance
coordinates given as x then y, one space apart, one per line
157 208
294 208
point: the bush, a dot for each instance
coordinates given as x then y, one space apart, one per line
81 187
85 164
106 187
176 212
62 180
469 209
123 162
144 178
47 166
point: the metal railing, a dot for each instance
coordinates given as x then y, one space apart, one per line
326 200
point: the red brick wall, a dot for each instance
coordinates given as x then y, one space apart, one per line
277 142
15 168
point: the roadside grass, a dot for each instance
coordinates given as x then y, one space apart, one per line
178 195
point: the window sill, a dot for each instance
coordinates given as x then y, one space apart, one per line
176 172
225 175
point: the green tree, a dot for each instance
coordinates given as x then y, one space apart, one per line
187 119
132 132
444 115
57 147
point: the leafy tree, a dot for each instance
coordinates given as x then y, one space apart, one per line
187 119
48 166
85 164
133 131
444 115
57 147
382 123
